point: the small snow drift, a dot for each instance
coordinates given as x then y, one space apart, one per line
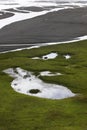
67 56
48 73
25 82
48 56
35 58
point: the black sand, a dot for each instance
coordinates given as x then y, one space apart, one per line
5 15
32 8
7 48
16 11
53 27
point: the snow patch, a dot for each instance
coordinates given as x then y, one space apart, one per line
67 56
48 73
50 56
25 82
35 58
47 57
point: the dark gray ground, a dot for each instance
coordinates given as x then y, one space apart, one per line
5 15
53 27
32 8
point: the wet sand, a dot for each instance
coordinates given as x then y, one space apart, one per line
5 15
8 48
32 8
57 26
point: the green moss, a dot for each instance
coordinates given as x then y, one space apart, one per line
22 112
34 91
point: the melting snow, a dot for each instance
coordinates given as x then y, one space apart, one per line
25 81
48 73
67 56
35 58
48 56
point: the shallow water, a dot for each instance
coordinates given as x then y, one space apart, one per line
15 3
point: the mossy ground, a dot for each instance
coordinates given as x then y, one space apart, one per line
22 112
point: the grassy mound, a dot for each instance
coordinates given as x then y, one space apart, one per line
34 91
22 112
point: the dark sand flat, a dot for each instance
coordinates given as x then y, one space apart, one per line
16 11
8 48
53 27
5 15
32 8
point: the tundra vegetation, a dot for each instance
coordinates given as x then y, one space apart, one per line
22 112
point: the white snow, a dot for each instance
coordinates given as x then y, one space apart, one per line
50 56
35 58
25 81
48 73
67 56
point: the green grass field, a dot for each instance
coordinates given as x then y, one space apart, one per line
22 112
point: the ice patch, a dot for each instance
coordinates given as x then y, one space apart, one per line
25 82
67 56
48 73
50 56
35 58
